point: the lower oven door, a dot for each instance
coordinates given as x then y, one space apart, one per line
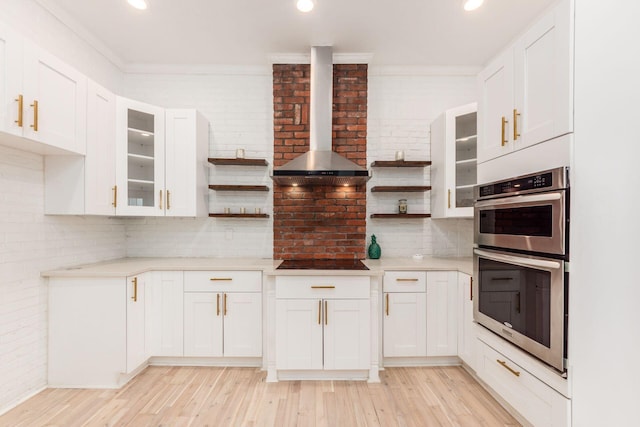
522 299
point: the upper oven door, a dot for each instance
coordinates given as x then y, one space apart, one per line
533 223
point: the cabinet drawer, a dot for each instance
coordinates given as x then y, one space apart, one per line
322 287
533 399
405 281
222 281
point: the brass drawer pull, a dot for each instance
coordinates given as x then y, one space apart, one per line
319 312
218 279
35 116
387 304
326 315
504 141
504 365
323 287
135 289
406 280
20 100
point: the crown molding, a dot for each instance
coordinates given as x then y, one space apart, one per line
198 69
305 58
423 70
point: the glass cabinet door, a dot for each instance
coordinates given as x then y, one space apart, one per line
465 158
140 166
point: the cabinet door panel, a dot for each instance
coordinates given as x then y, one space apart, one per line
11 69
61 92
543 79
466 327
165 313
100 160
299 334
346 334
242 324
202 324
405 323
496 102
136 352
442 292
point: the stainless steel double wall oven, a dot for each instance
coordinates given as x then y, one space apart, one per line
521 259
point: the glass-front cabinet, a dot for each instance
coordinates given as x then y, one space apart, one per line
140 159
454 162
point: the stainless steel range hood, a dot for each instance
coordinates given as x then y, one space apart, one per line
320 165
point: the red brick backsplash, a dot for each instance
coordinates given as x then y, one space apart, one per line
319 221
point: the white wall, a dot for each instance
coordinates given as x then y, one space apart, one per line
403 101
30 243
604 336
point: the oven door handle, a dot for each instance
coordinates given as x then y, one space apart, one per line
517 200
525 262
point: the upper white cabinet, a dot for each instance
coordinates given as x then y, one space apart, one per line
160 173
43 99
453 167
526 94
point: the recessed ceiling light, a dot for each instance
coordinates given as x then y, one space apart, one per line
472 4
304 5
138 4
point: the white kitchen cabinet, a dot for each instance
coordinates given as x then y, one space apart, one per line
96 330
43 104
453 167
160 172
322 323
222 314
164 310
467 337
86 185
534 400
526 94
442 313
404 326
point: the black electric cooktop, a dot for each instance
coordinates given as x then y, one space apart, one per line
322 264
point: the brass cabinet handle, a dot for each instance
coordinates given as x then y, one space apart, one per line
168 200
449 199
160 196
319 312
217 279
406 280
115 196
35 116
504 365
326 315
515 124
386 309
20 100
471 289
503 142
217 304
323 287
224 311
135 289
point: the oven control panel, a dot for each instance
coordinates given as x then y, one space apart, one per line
551 180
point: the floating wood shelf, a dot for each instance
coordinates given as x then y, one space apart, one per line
401 188
239 187
399 215
237 215
400 163
238 162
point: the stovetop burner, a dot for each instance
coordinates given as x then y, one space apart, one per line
322 264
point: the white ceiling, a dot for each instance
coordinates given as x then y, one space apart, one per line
250 32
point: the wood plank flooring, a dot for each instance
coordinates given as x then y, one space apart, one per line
205 396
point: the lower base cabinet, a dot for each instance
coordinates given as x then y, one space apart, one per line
322 323
538 403
164 314
467 336
223 314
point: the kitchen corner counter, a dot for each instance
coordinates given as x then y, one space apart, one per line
463 265
124 267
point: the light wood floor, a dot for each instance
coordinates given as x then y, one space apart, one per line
203 396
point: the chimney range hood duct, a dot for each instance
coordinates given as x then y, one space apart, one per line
320 165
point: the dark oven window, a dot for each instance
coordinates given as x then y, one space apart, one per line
518 297
526 221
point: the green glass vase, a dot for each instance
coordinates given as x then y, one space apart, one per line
374 248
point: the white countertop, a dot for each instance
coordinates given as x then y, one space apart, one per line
124 267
